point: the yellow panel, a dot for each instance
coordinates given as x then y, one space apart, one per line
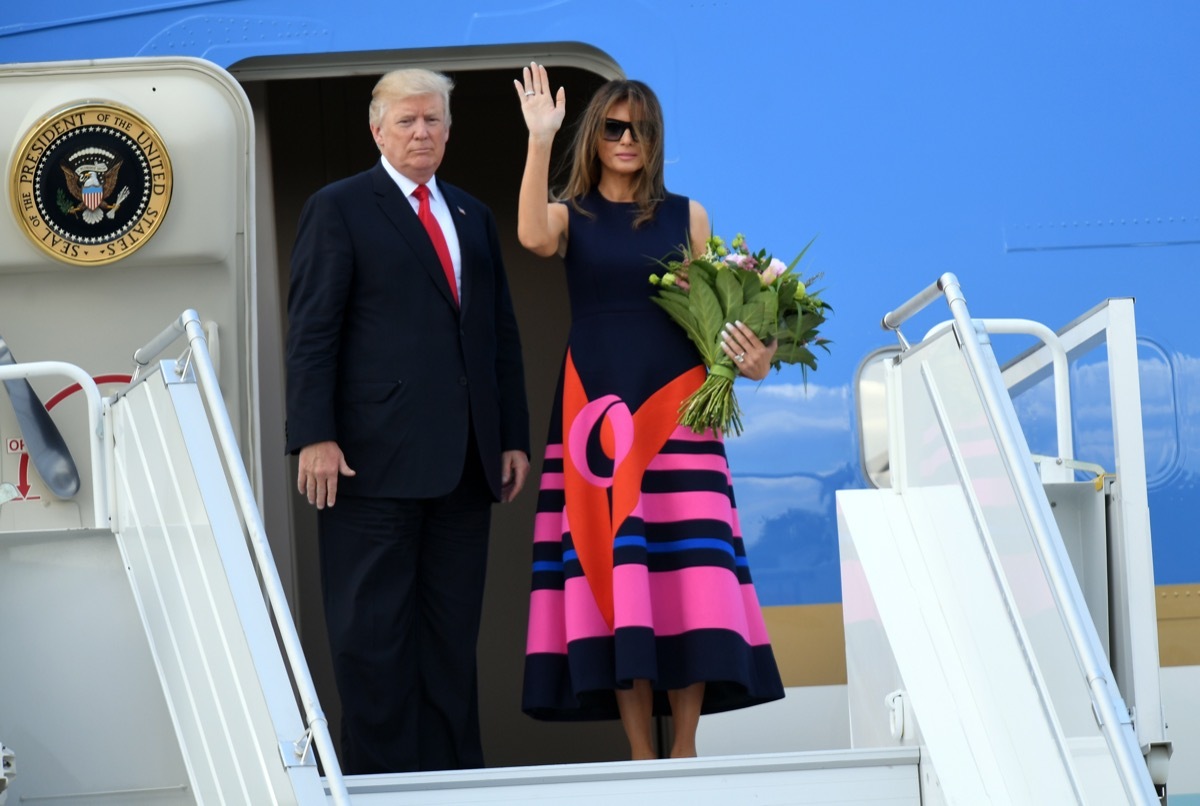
1178 625
809 643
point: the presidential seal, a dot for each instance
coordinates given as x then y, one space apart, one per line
91 183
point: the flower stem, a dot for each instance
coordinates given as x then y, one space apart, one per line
713 406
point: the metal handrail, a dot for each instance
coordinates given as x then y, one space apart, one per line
894 318
201 361
144 355
1062 378
95 412
1113 716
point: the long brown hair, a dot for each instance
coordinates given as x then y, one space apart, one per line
646 113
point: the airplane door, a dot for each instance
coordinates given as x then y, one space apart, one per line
129 187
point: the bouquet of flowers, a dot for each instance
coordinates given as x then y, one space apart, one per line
728 284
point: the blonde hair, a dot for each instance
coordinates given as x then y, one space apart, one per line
399 85
647 121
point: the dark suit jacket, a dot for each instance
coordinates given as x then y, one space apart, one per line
379 357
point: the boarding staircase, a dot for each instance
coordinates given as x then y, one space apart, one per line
150 656
999 585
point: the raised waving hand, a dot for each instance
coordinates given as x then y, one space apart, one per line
541 224
543 112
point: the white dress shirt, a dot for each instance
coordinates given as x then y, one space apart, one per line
441 211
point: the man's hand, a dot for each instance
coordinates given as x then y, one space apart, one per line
514 469
320 465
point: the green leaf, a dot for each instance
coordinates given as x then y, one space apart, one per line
758 316
800 256
709 318
729 294
788 321
680 311
751 285
787 294
792 353
809 321
701 271
773 309
677 306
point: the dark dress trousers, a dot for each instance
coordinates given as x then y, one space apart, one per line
422 396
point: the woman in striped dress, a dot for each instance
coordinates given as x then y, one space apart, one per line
642 602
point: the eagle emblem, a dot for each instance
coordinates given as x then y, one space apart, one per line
91 183
91 176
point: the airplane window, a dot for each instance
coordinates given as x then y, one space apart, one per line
871 407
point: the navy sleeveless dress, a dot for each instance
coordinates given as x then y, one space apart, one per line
639 570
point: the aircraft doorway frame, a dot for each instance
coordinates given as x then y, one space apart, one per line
313 108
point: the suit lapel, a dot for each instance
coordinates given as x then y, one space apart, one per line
398 210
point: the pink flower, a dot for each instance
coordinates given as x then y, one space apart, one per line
743 262
773 270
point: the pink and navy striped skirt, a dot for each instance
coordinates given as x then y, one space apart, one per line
639 569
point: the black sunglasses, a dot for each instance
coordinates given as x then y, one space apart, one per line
614 130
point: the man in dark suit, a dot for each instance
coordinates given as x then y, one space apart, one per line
406 403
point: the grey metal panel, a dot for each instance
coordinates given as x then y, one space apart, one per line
888 777
80 702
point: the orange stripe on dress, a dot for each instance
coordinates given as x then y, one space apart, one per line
631 441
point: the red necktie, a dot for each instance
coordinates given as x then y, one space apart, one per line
425 213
